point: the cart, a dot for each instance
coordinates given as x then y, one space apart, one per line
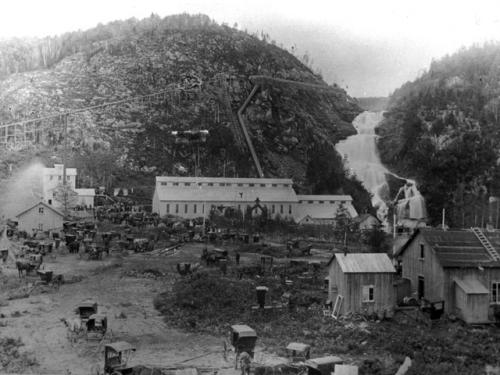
323 365
97 326
116 356
243 339
297 351
45 276
86 309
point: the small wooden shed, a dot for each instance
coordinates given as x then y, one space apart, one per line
364 282
471 300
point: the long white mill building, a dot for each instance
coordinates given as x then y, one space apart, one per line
191 197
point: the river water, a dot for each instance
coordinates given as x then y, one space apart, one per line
360 151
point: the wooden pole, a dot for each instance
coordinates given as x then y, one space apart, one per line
443 220
498 212
65 156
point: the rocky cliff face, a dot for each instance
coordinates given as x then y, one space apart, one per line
443 130
206 68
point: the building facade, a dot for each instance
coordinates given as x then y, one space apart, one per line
191 197
364 281
323 209
52 178
40 217
85 197
454 267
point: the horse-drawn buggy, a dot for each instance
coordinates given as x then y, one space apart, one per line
86 309
28 263
243 339
48 278
297 351
116 356
96 326
141 245
214 256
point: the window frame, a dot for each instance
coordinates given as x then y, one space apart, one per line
495 285
368 293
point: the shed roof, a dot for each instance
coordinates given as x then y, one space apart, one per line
457 248
471 286
364 263
43 204
87 192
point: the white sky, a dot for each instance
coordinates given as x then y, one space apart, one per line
371 47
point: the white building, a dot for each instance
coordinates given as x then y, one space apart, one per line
40 217
191 197
52 177
85 197
323 209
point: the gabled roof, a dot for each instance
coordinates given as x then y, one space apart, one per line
457 248
43 204
233 193
363 217
347 198
364 263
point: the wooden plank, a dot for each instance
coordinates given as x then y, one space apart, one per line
337 306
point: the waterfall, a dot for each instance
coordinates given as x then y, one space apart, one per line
363 160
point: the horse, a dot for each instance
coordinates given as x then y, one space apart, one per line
24 266
75 327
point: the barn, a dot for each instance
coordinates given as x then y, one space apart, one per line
363 281
40 217
459 267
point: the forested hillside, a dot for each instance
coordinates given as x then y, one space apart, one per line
443 129
207 66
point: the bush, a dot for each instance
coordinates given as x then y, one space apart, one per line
11 360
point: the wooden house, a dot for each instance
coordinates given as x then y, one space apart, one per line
364 281
459 267
40 217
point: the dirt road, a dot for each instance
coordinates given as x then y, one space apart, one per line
128 303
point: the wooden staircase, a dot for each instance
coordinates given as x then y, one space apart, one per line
486 244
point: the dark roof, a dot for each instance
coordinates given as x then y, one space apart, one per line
457 248
43 204
363 217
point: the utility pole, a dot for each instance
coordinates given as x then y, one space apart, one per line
65 157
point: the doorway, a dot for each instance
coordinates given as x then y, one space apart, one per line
421 287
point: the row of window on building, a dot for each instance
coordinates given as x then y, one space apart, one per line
321 202
220 184
176 208
59 178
